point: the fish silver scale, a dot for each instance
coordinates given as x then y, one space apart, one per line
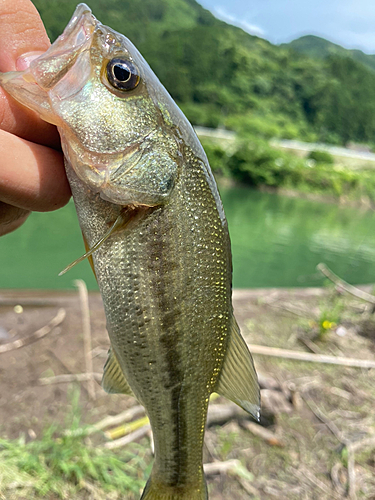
162 251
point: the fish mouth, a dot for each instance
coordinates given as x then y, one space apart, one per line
48 69
32 86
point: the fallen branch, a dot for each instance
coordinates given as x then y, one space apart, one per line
42 332
367 442
85 310
306 476
360 294
326 421
248 487
130 438
71 377
125 429
351 474
351 447
219 414
307 356
28 302
335 477
262 432
219 467
125 416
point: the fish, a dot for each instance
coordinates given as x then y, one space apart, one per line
156 236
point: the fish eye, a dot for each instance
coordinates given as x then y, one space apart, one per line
122 74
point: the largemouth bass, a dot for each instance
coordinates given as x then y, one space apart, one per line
157 239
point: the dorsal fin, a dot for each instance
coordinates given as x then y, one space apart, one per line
114 381
238 380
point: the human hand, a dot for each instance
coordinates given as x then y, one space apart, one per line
32 175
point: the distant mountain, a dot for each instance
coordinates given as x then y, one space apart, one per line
316 47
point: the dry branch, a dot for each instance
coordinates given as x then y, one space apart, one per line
42 332
360 294
125 416
71 377
306 476
351 447
130 438
28 302
262 432
367 442
307 356
126 428
326 421
335 476
85 310
219 467
351 474
219 414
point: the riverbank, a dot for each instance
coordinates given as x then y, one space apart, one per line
311 174
310 410
363 203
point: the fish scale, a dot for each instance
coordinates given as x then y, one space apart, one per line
152 219
157 255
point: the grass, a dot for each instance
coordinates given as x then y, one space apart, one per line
61 465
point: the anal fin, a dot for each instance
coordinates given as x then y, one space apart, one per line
238 380
114 381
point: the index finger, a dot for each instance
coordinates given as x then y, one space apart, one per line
22 34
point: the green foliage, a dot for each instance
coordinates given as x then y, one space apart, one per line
254 162
218 158
205 115
319 48
330 313
321 157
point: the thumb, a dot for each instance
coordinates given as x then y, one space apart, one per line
21 32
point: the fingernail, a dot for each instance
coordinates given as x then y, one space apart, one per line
23 62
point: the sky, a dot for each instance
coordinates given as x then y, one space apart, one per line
350 23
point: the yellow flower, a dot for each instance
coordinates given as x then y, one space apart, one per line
327 325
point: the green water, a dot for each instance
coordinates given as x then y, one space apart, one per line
276 241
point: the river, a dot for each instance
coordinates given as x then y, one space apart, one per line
277 241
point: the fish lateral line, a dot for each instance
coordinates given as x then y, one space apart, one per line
130 215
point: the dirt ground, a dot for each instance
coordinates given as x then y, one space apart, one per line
321 416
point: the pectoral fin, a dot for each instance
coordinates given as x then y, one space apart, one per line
113 380
238 380
118 222
90 259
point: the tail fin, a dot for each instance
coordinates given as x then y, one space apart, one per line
158 491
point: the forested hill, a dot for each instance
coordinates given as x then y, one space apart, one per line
221 75
314 46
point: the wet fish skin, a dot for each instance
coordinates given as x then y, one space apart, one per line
165 273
